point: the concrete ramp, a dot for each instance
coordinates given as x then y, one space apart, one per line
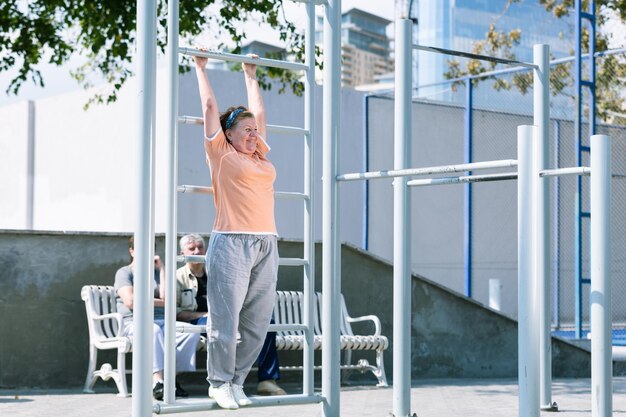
453 336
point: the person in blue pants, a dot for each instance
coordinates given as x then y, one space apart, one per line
191 306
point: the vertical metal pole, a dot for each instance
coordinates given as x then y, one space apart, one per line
556 257
541 119
366 163
577 196
578 240
143 312
30 167
331 252
401 221
309 242
528 345
591 16
172 194
467 188
601 350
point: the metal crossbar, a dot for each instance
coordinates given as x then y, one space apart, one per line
443 169
462 179
198 328
183 406
224 56
474 56
565 171
199 189
287 130
199 259
315 2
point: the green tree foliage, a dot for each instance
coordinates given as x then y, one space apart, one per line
35 32
611 70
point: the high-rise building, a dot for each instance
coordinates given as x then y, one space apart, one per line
364 47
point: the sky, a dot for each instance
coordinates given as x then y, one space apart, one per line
58 80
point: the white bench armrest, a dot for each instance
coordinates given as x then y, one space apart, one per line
116 316
372 318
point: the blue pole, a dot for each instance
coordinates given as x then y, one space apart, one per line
467 188
578 314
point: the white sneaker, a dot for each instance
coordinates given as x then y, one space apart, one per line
223 396
240 396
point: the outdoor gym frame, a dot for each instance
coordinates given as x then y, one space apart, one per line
532 218
142 364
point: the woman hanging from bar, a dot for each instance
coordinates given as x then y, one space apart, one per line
242 257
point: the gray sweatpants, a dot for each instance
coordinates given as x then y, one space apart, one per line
241 286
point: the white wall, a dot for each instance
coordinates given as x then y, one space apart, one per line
85 178
14 152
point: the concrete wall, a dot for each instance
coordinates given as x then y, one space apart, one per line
44 338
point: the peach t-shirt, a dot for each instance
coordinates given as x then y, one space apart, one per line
243 187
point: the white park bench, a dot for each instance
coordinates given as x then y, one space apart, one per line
105 322
289 308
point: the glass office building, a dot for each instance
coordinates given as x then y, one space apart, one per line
459 24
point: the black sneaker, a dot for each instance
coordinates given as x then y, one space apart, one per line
157 391
180 392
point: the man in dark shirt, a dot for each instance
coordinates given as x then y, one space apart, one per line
186 343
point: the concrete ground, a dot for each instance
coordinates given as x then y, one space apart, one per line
429 398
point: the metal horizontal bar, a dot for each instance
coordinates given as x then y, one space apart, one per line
292 262
585 214
584 148
286 327
517 69
565 171
224 56
196 328
190 120
443 169
315 367
588 84
586 280
282 195
316 2
474 56
277 129
199 259
287 130
203 404
197 189
288 195
588 16
462 179
618 176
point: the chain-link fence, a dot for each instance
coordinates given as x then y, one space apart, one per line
499 103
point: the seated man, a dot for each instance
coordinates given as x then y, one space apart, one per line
186 343
191 306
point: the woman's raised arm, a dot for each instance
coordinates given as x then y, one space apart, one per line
210 111
255 100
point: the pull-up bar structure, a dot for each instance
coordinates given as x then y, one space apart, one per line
170 405
402 276
146 40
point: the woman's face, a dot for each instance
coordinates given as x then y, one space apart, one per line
243 135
